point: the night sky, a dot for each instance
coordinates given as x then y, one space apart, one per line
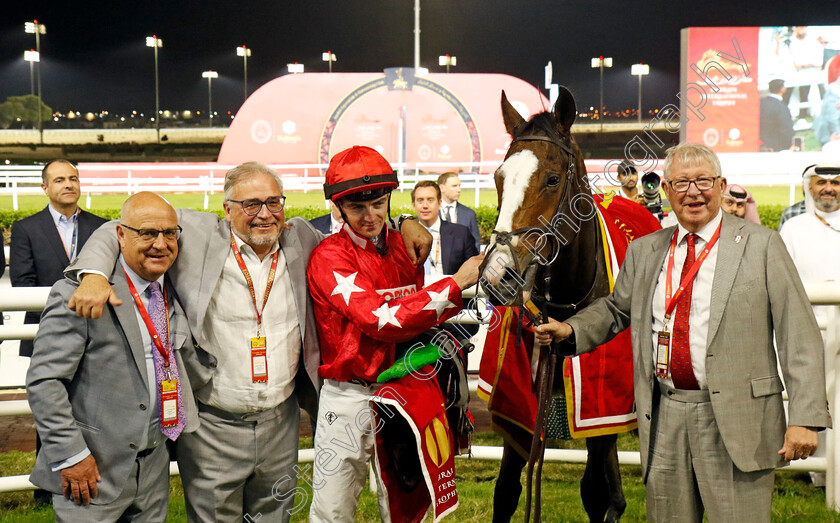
94 55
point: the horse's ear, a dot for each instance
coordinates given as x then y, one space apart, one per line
510 115
565 110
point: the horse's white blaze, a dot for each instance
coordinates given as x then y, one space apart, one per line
516 172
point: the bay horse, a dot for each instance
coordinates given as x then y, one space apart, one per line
542 176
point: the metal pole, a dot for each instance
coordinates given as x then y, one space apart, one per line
210 100
157 93
31 78
416 35
245 64
38 48
330 62
640 98
601 114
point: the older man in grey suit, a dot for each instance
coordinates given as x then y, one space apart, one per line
703 301
247 302
107 393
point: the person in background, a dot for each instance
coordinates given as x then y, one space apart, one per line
43 244
813 241
628 177
827 123
329 223
775 122
738 201
452 244
704 301
797 208
451 210
106 394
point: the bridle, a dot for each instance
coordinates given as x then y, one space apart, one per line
548 356
505 238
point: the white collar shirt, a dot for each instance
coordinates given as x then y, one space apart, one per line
67 228
231 322
434 263
449 209
701 298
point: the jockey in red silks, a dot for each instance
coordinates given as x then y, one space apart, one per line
367 297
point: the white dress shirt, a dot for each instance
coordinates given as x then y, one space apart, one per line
701 298
434 263
231 322
67 228
445 208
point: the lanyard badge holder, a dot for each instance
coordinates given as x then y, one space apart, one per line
169 387
663 337
259 356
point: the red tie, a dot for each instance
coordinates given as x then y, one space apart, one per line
681 370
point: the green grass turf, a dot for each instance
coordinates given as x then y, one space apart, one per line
795 499
763 194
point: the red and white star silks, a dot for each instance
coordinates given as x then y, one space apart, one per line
366 303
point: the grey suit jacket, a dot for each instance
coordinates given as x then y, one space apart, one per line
87 386
756 291
204 246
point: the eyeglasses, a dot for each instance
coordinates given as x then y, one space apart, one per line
253 206
150 235
702 184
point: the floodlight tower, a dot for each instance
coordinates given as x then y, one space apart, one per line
37 29
155 42
244 52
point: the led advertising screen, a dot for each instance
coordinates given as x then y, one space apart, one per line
761 89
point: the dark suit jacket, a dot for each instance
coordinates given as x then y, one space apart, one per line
38 258
756 293
466 217
775 124
456 246
323 224
88 386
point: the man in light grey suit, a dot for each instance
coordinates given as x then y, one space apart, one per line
93 385
708 395
242 459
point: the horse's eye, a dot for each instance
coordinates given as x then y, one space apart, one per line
553 180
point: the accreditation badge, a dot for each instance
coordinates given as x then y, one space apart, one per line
663 353
169 403
259 365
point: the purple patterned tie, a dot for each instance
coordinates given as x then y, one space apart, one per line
157 312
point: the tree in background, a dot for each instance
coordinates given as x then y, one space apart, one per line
23 110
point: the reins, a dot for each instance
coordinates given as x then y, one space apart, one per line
548 356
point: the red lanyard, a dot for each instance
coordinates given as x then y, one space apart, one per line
250 281
670 302
148 321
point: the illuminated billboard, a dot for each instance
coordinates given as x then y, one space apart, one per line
751 89
433 118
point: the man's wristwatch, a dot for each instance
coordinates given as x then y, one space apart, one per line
402 218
